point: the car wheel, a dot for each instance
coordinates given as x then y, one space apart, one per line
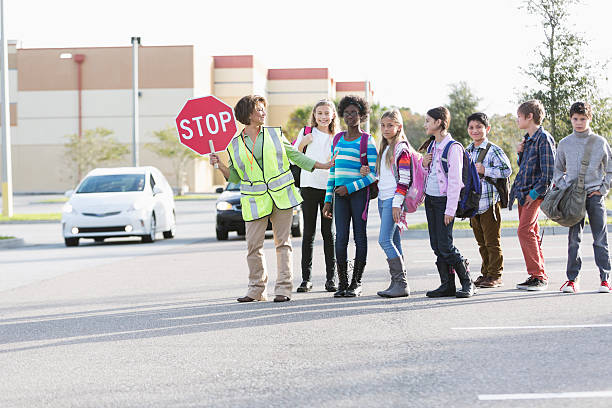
297 230
221 234
170 233
71 242
150 237
99 240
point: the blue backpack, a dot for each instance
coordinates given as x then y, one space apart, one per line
469 197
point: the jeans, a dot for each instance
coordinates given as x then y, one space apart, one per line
346 209
314 199
440 235
389 237
596 210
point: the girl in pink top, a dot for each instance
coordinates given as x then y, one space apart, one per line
441 198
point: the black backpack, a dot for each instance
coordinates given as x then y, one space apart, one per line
295 169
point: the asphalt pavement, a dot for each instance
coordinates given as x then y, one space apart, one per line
125 324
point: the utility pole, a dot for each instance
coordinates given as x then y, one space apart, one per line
5 116
135 141
367 98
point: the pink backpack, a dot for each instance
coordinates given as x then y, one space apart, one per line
416 191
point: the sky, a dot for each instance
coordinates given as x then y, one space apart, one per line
411 51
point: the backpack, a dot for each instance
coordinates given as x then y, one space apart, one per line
469 196
363 158
501 184
416 190
295 169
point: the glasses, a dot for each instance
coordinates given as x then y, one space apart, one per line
354 113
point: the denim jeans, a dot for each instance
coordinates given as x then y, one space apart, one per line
596 210
440 235
313 204
346 209
389 237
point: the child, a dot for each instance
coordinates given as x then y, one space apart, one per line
393 168
536 164
349 190
441 199
491 162
596 183
312 188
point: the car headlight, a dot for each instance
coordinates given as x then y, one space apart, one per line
223 206
67 208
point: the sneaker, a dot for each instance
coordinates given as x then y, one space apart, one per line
605 287
525 284
305 287
492 283
538 284
569 287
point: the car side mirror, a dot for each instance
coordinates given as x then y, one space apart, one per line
69 193
219 190
157 190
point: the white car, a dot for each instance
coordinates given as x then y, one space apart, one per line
119 202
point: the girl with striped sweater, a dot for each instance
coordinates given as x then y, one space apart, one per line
394 174
349 191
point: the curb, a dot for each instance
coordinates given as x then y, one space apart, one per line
11 243
505 232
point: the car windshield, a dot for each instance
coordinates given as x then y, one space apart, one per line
112 183
232 187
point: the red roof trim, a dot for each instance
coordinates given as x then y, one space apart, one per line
298 73
358 86
233 61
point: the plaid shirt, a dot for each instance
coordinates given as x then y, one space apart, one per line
536 167
497 165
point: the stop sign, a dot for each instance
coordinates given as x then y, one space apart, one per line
206 124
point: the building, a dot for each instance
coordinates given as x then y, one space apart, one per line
54 92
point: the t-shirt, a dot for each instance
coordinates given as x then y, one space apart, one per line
318 150
432 188
386 182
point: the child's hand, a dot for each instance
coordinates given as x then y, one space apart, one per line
364 171
427 159
307 139
480 169
520 147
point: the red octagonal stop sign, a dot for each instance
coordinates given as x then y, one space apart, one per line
206 125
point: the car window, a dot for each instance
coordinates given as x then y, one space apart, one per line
152 181
112 183
232 187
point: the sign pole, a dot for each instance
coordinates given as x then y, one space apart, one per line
7 176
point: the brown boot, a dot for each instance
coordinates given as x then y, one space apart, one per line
492 283
480 280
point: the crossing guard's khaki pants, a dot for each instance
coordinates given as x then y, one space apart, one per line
255 235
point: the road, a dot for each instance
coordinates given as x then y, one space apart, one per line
124 324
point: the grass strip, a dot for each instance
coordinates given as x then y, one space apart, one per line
2 237
32 217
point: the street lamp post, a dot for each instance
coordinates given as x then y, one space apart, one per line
135 141
5 115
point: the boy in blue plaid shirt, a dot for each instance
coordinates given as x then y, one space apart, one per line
492 163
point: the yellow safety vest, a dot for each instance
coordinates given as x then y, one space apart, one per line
262 189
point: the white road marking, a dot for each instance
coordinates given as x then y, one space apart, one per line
560 326
587 394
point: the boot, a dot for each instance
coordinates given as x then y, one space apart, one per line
468 289
399 285
342 280
447 287
383 293
355 287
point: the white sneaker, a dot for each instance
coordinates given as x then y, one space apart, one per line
605 287
569 287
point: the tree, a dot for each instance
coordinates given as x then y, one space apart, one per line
168 146
413 127
96 146
562 74
297 120
506 135
462 103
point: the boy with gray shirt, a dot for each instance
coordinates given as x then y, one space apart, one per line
597 184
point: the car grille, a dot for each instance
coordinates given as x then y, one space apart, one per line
84 230
108 214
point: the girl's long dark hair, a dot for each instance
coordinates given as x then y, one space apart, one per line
426 143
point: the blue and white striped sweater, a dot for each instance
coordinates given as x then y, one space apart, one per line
346 169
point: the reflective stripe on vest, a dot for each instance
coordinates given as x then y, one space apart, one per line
281 181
